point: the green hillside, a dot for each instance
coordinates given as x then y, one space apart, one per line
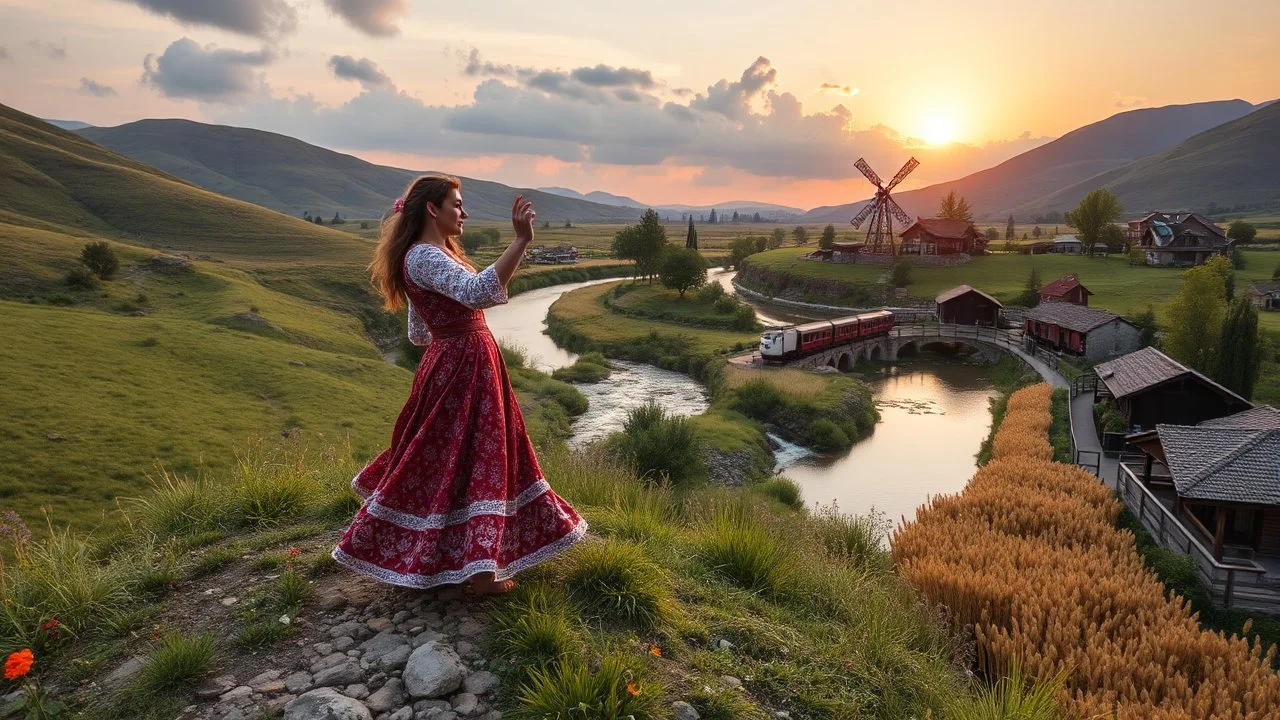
1233 164
293 177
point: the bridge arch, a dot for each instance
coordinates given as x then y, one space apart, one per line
874 352
846 362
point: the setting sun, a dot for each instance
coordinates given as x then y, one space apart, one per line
939 129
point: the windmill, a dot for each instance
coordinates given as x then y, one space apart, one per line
883 208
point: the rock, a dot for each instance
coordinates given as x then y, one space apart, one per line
234 713
331 600
298 682
470 629
681 710
343 644
379 624
359 691
297 363
401 616
723 644
394 660
326 704
214 687
731 681
346 629
347 673
229 601
481 682
390 696
425 705
433 670
328 661
464 703
404 713
122 674
271 687
384 642
236 693
263 678
323 649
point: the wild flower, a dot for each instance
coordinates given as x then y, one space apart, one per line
13 529
632 688
655 651
18 664
35 699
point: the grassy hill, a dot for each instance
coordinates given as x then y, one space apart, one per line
1081 154
1237 163
293 177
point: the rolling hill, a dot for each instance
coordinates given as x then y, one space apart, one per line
769 211
1022 181
290 176
1234 164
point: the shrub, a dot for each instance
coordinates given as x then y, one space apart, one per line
744 318
724 304
783 489
711 292
572 691
900 273
826 436
647 516
659 445
178 506
515 356
585 370
857 539
179 660
83 279
758 399
100 259
618 581
533 627
270 491
743 553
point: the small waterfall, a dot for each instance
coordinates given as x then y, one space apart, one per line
786 454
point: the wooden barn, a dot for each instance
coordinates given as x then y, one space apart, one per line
1066 289
965 305
1078 330
1178 238
1149 387
940 236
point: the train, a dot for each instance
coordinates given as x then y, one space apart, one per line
789 343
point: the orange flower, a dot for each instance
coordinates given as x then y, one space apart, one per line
52 624
633 688
294 552
655 651
18 664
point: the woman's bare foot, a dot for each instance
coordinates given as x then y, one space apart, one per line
486 585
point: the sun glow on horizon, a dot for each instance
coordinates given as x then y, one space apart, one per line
939 129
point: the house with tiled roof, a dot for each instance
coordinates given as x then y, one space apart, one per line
1149 387
1066 289
1265 295
965 305
1178 238
942 236
1081 331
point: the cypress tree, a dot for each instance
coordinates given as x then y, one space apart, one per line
691 239
1239 353
1008 230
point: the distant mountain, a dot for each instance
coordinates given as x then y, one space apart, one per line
767 211
598 196
68 124
1234 164
1023 180
293 177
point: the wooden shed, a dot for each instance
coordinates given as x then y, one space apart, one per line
1078 330
941 236
965 305
1150 387
1066 289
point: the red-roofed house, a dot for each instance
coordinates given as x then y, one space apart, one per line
940 236
1066 289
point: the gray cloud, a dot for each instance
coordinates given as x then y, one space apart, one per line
363 71
732 99
477 67
374 17
186 70
51 51
590 84
605 76
89 87
265 19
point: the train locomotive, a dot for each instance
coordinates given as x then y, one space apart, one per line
789 343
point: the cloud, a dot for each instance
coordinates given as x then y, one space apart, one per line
209 74
605 76
598 85
266 19
837 89
51 51
476 67
363 71
1124 102
373 17
732 99
89 87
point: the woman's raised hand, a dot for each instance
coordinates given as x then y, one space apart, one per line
522 216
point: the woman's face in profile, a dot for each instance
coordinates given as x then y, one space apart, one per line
451 217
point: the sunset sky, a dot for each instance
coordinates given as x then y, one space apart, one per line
664 101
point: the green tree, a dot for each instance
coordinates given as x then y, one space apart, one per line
1030 296
800 234
1222 267
1195 317
1036 232
1095 212
1239 349
739 250
642 243
691 237
1008 229
100 259
1242 232
337 219
712 220
683 268
992 234
955 208
1146 322
828 238
900 273
1275 274
568 224
1112 237
779 236
1137 256
1237 259
755 218
762 243
735 216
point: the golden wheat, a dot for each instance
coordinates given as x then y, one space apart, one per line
792 381
1029 555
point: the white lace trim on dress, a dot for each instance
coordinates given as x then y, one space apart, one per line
451 577
459 516
419 333
431 268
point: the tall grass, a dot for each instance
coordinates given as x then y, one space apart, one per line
615 580
571 691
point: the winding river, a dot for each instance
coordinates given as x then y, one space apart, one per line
933 414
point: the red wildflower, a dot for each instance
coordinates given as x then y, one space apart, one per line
293 552
18 664
633 688
51 625
655 651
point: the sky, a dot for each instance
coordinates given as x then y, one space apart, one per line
690 102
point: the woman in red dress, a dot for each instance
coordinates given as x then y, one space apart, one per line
459 495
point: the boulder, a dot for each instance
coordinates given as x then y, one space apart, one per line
433 670
326 704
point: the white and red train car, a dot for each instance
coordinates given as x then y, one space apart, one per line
778 346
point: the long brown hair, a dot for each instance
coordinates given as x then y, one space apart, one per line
402 229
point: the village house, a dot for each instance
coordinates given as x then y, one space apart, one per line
1265 295
1178 238
1065 289
1077 330
965 305
941 236
558 255
1149 387
1068 244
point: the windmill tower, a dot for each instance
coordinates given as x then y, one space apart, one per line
882 209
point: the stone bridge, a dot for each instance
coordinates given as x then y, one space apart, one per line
990 343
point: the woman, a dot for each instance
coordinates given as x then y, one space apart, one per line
459 495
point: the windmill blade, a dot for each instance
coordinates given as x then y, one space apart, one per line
898 212
863 213
910 165
871 174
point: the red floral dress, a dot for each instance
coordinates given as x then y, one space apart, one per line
459 491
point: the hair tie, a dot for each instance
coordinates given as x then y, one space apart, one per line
397 206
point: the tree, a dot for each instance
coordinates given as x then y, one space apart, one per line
337 219
1095 212
1030 296
779 236
713 217
954 208
1112 238
683 268
1237 259
900 273
1008 229
1239 349
569 224
317 220
800 234
992 234
1146 322
1242 232
1275 274
828 238
100 259
473 240
735 216
740 250
761 242
642 243
1195 318
691 237
755 218
1036 232
1226 273
1137 256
